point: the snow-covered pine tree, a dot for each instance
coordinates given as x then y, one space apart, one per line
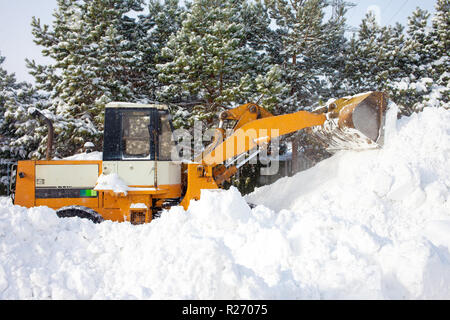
330 60
17 139
440 35
310 57
270 89
419 43
164 19
95 61
331 56
155 28
393 59
364 54
416 49
221 57
8 88
310 65
425 80
210 61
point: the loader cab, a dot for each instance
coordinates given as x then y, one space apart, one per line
135 132
138 145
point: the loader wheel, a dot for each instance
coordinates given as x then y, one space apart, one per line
81 212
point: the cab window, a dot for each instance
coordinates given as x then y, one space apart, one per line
135 135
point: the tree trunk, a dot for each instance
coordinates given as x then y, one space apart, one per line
294 142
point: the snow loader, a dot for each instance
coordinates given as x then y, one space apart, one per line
137 150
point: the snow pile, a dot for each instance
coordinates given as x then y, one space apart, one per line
114 183
374 224
364 225
138 206
111 182
44 257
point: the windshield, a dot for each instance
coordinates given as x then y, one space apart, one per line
135 135
137 143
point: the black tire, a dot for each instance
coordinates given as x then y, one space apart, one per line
81 212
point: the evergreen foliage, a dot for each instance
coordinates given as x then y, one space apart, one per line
411 66
309 62
94 49
16 127
209 55
214 59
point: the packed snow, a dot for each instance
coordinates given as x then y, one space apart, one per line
114 183
359 225
111 182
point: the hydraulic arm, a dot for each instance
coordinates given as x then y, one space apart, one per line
355 123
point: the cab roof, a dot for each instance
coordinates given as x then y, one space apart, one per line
135 105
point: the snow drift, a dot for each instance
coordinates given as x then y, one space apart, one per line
362 225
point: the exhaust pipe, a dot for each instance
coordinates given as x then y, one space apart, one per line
36 114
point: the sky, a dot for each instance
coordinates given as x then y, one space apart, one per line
16 40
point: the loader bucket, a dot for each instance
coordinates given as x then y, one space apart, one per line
354 123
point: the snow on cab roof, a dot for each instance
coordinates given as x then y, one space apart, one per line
135 105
